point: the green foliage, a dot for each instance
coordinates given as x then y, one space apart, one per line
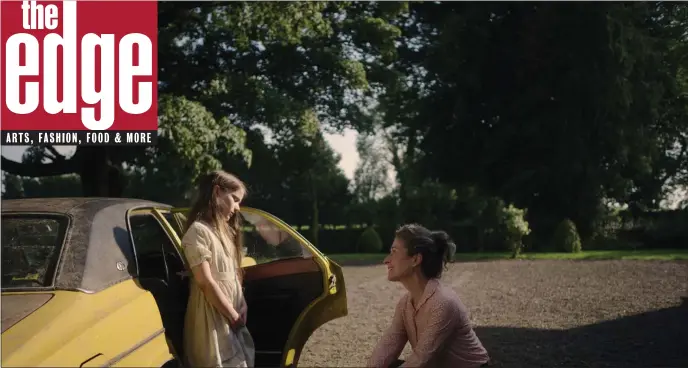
516 227
49 186
369 241
430 202
648 255
657 230
594 112
189 144
608 223
497 222
383 213
13 187
292 178
226 68
600 115
566 237
278 64
371 178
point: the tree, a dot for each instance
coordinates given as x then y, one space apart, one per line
190 142
235 65
49 186
310 168
550 106
371 177
298 180
13 186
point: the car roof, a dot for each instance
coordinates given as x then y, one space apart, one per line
67 204
97 241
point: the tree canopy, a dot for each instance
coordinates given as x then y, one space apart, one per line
491 114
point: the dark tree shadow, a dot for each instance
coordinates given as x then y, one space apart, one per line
652 339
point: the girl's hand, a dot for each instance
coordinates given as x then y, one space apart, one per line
235 320
243 312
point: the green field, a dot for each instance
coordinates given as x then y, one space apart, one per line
648 255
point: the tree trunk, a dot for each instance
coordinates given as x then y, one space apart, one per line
481 241
99 177
403 165
315 225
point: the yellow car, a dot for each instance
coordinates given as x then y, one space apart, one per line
92 282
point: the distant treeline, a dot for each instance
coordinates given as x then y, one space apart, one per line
649 230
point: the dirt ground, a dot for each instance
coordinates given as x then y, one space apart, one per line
534 313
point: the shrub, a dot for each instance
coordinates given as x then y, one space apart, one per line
566 237
496 225
369 241
515 228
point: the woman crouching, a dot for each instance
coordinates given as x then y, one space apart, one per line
430 316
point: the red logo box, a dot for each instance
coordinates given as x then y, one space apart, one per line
79 67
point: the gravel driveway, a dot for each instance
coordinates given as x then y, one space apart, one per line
534 313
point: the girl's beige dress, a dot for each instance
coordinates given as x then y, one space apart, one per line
208 339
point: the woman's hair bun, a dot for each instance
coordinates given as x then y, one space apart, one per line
442 241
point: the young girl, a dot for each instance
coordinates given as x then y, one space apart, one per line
430 316
214 329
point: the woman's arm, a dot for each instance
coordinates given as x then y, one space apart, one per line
212 292
392 342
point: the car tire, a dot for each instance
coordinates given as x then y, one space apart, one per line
174 363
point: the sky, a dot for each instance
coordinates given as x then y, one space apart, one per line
344 144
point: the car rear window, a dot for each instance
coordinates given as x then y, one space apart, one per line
30 249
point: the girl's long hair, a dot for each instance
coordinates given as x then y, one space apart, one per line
207 208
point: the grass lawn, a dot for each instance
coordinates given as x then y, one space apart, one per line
655 255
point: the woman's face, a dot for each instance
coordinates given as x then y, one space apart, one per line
229 200
399 264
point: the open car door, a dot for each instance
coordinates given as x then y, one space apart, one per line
291 288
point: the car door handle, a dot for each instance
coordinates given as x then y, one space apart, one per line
333 282
97 360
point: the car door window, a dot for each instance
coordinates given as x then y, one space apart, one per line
30 248
150 242
264 240
172 219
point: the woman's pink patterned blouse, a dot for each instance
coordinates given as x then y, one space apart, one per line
438 329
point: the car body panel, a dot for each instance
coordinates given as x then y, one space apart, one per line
68 330
90 309
96 241
101 303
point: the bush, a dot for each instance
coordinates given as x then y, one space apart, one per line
493 226
566 237
607 223
662 229
516 227
369 241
